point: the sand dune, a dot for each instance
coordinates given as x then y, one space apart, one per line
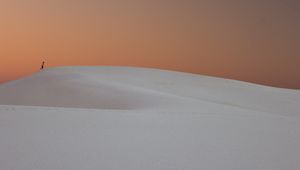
138 118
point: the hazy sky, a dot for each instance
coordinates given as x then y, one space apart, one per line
251 40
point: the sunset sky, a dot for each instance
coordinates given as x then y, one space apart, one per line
250 40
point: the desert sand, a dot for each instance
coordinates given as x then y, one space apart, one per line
125 118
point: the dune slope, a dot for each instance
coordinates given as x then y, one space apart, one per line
138 118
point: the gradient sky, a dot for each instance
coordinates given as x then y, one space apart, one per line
251 40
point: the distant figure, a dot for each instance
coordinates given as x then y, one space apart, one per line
43 65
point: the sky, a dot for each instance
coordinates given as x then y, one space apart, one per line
250 40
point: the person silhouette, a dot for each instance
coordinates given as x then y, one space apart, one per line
43 65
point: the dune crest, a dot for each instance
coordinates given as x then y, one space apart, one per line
127 118
141 88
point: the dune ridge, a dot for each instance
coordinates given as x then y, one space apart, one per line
141 88
124 118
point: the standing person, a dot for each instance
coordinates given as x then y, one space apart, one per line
43 65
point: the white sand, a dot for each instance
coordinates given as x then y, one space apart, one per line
136 118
